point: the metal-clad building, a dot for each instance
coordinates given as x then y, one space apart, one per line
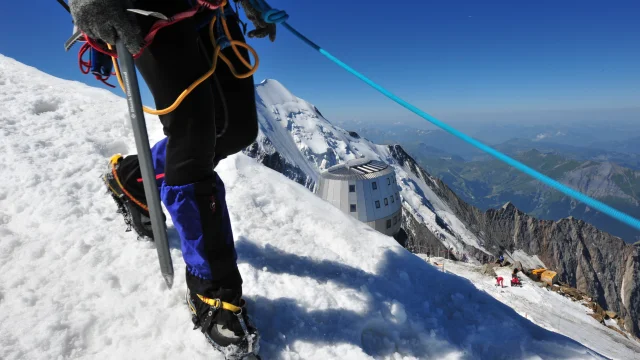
366 190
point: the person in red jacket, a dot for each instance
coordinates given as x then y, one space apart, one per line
515 281
499 281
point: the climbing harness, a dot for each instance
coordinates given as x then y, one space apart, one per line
217 53
224 40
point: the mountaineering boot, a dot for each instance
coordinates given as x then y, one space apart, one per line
122 183
215 285
225 323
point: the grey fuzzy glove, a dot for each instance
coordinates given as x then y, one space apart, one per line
107 20
262 28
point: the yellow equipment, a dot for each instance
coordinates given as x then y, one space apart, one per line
550 277
537 272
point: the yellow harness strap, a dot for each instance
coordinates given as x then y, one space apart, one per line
218 304
113 161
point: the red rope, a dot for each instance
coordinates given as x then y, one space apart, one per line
211 4
85 66
164 23
97 46
104 81
158 177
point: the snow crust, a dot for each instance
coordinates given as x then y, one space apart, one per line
319 284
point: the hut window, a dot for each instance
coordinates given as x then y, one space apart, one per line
386 202
375 185
352 188
389 224
395 220
377 204
388 181
353 207
392 200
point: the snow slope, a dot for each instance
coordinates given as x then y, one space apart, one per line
549 310
299 132
319 284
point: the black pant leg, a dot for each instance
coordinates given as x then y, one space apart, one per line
235 102
169 65
193 195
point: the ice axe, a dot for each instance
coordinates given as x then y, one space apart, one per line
136 113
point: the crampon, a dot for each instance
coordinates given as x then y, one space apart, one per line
205 313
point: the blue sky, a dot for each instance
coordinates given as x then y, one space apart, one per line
447 57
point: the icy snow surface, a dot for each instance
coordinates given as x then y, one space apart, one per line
548 309
319 284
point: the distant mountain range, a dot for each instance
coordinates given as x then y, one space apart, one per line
620 154
420 142
490 184
626 146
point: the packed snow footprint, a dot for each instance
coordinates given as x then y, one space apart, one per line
320 285
42 106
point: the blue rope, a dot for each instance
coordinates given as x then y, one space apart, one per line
269 15
274 16
279 17
222 38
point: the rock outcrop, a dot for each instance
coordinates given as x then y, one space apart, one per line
487 269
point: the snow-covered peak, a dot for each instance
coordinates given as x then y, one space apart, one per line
273 92
295 127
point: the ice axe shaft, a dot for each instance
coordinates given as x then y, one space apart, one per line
136 113
64 5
